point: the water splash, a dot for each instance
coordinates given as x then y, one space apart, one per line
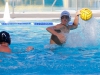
85 35
6 16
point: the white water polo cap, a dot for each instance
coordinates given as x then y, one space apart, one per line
66 13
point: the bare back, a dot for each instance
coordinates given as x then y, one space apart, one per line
5 49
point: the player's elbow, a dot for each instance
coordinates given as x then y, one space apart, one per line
75 25
48 29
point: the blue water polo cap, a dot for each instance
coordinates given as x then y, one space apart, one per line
5 37
66 13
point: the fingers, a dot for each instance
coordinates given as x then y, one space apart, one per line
30 48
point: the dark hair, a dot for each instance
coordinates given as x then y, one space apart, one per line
65 16
5 37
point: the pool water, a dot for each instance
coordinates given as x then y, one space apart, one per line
80 55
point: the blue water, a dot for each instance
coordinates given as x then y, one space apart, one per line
80 55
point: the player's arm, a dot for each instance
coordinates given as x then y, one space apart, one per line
76 21
52 30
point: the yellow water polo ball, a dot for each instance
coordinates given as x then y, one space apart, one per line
85 14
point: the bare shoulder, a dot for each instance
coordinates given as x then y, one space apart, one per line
5 49
57 26
53 27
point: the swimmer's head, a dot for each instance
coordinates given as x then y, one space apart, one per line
65 14
5 37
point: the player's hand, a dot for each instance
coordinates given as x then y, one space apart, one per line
29 48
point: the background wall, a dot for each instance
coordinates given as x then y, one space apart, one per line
47 5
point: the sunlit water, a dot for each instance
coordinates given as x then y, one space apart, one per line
80 55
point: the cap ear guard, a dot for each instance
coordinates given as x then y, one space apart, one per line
5 37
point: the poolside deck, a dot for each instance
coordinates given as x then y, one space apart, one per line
41 15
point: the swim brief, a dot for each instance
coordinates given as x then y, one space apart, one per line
55 38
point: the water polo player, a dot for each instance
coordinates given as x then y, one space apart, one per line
5 42
58 32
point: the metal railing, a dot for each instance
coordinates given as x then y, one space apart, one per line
53 4
20 6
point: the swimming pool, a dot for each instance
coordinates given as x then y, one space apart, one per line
80 55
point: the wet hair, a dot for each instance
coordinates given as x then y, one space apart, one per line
5 37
